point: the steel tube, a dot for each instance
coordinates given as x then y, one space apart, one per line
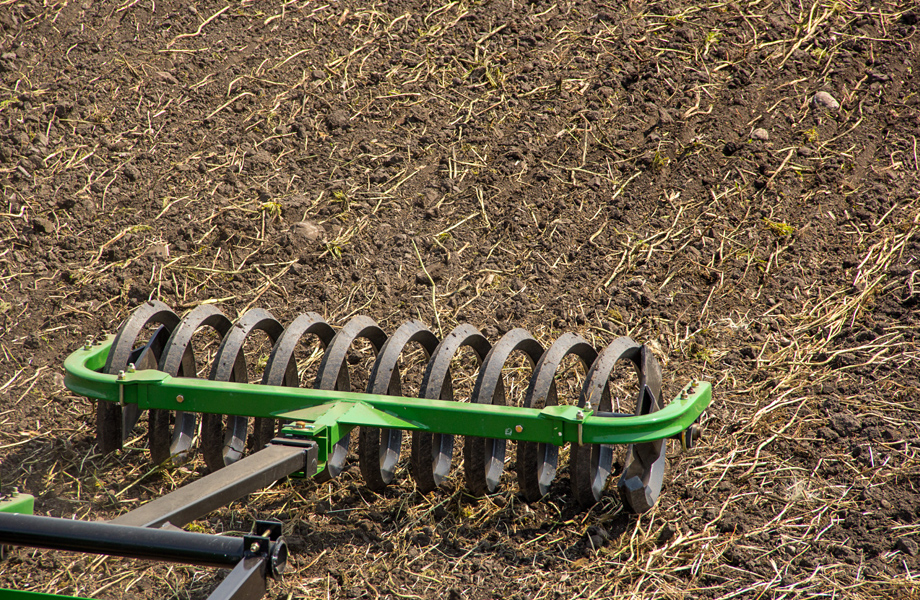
121 540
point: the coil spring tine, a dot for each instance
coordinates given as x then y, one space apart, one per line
281 368
379 449
333 375
643 470
591 464
109 433
169 349
537 463
432 452
484 458
221 448
145 357
178 360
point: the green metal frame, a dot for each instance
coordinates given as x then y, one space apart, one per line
24 595
23 504
326 416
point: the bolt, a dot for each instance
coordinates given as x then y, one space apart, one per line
180 398
518 428
88 345
683 395
300 424
121 375
588 405
131 368
254 547
15 492
580 415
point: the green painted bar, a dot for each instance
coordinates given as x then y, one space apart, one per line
336 413
24 595
22 504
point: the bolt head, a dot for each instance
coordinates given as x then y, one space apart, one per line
180 398
580 414
131 368
518 428
254 547
121 375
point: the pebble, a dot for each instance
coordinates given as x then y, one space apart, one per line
760 134
338 119
308 230
825 100
42 225
907 546
845 424
131 172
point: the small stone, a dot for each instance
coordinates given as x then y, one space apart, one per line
42 225
825 100
307 231
828 434
760 134
666 534
845 424
597 537
159 250
131 173
338 119
908 547
167 77
260 157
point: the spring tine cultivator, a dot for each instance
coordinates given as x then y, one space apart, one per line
150 366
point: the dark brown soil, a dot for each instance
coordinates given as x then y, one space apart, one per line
653 169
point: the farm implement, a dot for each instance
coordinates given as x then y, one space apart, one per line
150 367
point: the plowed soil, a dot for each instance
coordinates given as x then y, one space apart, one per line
735 184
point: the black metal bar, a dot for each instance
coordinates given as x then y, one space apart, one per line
97 537
224 486
247 581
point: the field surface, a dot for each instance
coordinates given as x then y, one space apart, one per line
735 184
